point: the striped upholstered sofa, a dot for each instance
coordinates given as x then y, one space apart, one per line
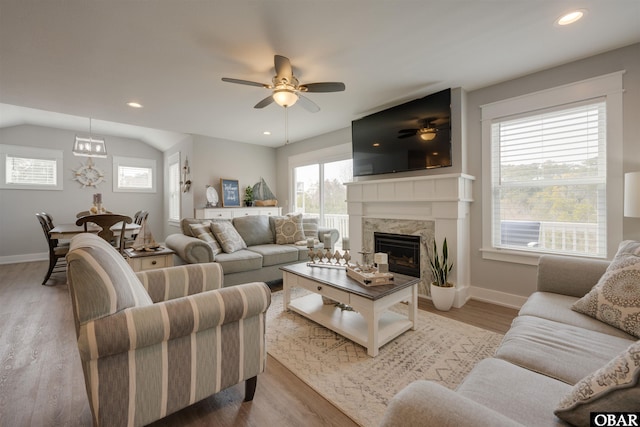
154 342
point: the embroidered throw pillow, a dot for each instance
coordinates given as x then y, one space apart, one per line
612 388
289 229
615 299
228 236
203 232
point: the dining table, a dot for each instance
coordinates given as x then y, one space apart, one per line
67 231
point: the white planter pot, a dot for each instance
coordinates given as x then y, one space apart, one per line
442 297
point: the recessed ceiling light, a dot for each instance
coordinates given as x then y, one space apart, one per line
134 104
266 132
376 144
571 17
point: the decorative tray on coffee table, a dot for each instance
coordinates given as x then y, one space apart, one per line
368 275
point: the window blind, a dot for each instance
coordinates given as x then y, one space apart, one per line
29 171
174 191
549 180
135 177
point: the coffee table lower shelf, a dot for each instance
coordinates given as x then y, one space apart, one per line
351 324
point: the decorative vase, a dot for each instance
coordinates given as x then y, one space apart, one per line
442 297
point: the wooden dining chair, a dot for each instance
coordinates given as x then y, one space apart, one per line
105 222
57 251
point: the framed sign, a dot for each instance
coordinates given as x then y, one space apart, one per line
230 192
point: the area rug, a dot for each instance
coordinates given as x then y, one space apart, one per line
440 350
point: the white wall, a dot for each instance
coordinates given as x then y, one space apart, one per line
21 237
504 282
490 278
215 158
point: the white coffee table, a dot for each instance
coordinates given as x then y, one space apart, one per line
371 324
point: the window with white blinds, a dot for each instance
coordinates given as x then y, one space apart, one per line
548 176
174 187
30 168
134 174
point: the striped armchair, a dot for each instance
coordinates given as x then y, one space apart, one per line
154 342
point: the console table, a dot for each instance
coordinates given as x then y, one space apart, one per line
371 324
212 213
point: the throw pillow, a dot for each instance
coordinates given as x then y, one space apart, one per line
203 232
289 229
615 299
310 227
612 388
228 237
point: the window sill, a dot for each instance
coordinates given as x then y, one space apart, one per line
513 256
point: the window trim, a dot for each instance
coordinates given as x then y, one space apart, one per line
610 87
173 159
34 153
138 163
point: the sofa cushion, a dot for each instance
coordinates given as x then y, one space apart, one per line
276 254
514 392
613 388
557 307
254 229
102 281
560 351
204 232
239 261
288 229
228 237
615 299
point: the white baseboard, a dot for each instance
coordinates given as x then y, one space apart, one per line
497 297
16 259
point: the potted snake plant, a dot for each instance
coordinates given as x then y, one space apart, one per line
442 291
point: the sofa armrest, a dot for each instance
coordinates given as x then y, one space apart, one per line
138 327
425 403
191 249
332 232
569 275
174 282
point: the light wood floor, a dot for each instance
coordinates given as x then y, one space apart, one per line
41 380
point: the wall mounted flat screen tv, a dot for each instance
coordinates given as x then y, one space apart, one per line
412 136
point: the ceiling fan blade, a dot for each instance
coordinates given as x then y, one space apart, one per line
283 67
406 135
268 100
323 87
308 104
245 82
408 130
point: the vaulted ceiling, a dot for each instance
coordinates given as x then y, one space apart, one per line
89 58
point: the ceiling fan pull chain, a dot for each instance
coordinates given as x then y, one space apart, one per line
286 125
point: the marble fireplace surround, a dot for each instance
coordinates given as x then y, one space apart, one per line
434 206
410 227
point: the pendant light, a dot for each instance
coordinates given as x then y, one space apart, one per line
89 147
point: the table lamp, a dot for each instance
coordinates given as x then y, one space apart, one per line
632 194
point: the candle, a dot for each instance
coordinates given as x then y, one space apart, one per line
345 243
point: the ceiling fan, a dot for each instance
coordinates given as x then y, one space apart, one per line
427 132
286 88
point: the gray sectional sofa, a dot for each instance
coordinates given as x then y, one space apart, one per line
554 366
259 256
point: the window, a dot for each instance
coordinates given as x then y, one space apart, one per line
327 201
548 174
174 187
134 175
30 168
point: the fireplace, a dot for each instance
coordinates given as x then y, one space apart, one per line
403 252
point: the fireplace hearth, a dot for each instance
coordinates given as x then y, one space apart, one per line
403 252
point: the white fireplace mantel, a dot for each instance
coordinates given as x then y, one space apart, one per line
443 199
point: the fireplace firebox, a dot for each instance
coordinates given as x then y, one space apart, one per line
403 252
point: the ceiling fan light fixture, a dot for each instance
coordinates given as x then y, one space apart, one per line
285 97
427 135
